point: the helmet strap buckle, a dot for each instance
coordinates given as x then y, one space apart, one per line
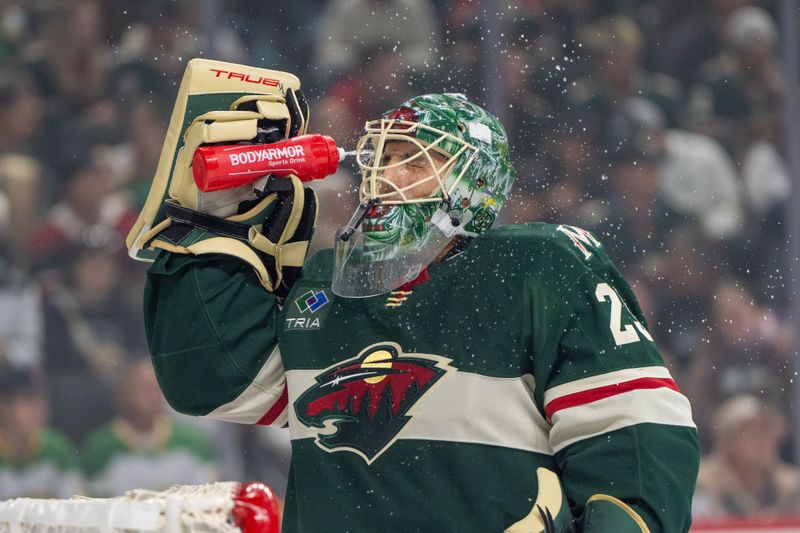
446 220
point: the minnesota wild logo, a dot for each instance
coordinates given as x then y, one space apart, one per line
361 405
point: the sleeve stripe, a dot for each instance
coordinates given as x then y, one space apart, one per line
276 410
598 393
262 395
663 406
601 380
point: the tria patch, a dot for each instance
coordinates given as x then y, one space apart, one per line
311 301
302 323
308 311
362 404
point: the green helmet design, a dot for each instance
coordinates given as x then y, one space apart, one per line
450 176
473 183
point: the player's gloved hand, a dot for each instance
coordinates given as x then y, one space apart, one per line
268 223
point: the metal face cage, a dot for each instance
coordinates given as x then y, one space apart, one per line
370 150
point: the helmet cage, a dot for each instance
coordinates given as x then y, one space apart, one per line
379 132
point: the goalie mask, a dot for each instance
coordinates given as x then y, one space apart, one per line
435 168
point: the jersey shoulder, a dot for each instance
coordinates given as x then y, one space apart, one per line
542 250
319 266
558 253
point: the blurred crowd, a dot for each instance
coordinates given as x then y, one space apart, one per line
657 125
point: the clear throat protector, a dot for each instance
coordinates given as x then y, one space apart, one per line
366 266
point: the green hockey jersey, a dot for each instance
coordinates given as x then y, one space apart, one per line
516 384
116 458
50 469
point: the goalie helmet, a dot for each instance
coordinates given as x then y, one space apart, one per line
397 231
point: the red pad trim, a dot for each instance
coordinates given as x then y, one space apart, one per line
276 409
592 395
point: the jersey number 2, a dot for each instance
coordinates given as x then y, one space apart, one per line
622 334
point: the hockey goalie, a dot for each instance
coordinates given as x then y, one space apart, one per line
436 374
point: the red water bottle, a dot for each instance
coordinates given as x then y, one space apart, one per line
309 157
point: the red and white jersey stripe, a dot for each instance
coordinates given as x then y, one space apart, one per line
595 405
263 401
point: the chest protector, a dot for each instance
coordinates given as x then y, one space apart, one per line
269 224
